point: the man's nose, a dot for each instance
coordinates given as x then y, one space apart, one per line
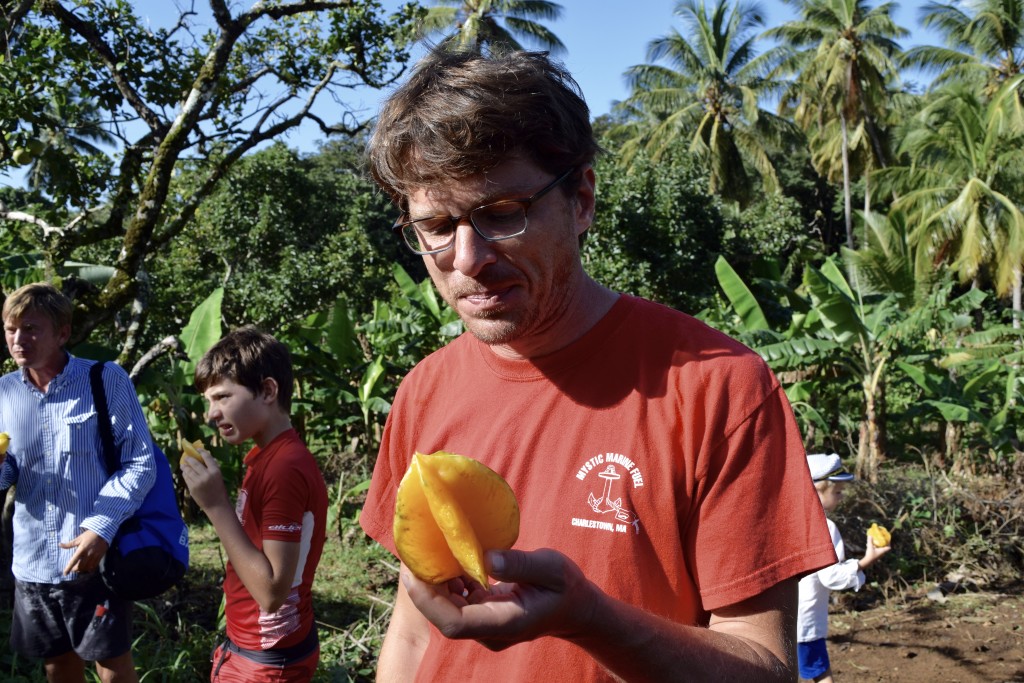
471 252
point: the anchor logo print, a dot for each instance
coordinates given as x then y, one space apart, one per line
605 503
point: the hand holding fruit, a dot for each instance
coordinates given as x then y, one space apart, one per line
541 593
202 475
878 544
880 535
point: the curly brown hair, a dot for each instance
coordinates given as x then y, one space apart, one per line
462 113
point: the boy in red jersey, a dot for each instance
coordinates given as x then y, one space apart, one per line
274 534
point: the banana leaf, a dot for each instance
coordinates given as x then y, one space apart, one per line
740 296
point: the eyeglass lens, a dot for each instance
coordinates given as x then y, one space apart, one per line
494 221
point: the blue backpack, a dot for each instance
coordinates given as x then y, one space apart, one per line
149 554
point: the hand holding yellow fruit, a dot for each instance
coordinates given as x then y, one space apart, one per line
450 509
880 535
5 441
188 450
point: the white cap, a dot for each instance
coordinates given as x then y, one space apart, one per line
827 466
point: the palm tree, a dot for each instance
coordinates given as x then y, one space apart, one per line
69 128
961 190
841 53
984 39
708 93
478 24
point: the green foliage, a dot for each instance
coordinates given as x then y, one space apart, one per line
277 215
703 91
495 26
960 183
771 229
193 97
740 296
655 233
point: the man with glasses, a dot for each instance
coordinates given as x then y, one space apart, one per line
666 512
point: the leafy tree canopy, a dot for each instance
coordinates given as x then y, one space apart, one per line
198 95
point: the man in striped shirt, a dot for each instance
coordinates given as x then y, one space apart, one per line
67 506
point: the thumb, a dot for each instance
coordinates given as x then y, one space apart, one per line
537 567
73 543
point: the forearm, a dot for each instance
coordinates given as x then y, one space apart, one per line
738 645
124 490
404 643
253 567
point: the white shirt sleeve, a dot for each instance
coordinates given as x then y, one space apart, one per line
845 573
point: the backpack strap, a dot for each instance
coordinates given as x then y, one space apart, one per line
99 398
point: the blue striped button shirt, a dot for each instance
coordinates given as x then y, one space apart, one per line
56 460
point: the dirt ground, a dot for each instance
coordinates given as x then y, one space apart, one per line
961 637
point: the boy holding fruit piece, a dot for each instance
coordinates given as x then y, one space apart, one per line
274 534
665 514
830 478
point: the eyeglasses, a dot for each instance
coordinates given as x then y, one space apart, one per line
493 222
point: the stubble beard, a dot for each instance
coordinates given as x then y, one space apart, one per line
508 326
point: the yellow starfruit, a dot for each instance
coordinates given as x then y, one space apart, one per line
450 509
5 441
188 450
880 535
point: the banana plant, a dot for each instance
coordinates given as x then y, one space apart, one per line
843 336
974 383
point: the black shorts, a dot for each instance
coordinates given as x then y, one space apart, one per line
81 615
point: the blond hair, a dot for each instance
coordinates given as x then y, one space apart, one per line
42 297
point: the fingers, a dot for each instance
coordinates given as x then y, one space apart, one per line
76 562
90 550
210 461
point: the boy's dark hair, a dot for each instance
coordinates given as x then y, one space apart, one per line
39 297
463 113
247 356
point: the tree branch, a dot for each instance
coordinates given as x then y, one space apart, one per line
165 345
88 32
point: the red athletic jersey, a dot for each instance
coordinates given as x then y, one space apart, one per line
657 453
283 498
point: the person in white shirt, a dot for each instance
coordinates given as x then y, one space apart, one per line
830 478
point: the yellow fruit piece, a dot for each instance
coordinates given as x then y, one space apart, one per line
450 510
188 450
880 535
5 441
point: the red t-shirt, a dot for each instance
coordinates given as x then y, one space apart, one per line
283 498
657 453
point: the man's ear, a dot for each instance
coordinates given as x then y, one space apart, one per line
585 200
269 390
63 334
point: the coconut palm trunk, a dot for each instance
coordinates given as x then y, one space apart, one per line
847 195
